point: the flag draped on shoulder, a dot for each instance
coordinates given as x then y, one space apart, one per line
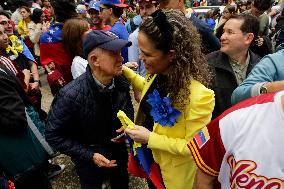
51 47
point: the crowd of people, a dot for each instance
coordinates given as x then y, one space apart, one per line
208 92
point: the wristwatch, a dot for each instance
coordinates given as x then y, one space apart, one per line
263 89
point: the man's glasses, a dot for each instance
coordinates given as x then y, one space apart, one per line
103 8
94 12
5 22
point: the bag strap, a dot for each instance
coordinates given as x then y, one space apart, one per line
31 124
38 135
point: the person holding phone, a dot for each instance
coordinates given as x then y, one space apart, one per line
82 122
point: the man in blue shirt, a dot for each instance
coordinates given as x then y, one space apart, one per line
110 12
210 42
146 7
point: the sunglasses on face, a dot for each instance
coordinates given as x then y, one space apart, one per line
94 12
103 8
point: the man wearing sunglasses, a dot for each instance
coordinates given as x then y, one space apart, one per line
94 12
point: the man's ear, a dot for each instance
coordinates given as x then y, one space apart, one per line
249 38
110 10
172 55
92 59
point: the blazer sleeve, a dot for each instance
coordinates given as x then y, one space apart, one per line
197 115
135 79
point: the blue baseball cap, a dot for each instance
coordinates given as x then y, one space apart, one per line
116 3
103 39
94 5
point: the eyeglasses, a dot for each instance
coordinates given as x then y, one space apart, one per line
103 8
5 22
93 12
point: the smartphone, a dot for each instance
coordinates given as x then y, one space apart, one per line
120 136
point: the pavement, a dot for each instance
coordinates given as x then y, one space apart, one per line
68 179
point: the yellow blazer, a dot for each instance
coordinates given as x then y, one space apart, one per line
169 144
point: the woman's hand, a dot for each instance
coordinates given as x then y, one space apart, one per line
45 26
139 134
121 137
131 65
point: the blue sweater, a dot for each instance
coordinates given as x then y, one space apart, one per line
269 69
119 29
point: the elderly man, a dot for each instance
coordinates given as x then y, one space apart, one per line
234 61
82 121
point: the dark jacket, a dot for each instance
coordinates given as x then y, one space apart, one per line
12 108
225 81
83 120
210 42
21 152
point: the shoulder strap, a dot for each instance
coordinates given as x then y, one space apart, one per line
39 135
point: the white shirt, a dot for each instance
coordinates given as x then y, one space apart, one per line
78 66
244 146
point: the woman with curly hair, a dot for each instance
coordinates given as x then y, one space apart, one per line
175 102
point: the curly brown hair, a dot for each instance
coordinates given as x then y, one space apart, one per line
189 62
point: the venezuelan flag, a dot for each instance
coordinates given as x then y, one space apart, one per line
202 137
143 165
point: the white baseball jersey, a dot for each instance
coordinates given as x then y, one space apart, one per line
244 146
